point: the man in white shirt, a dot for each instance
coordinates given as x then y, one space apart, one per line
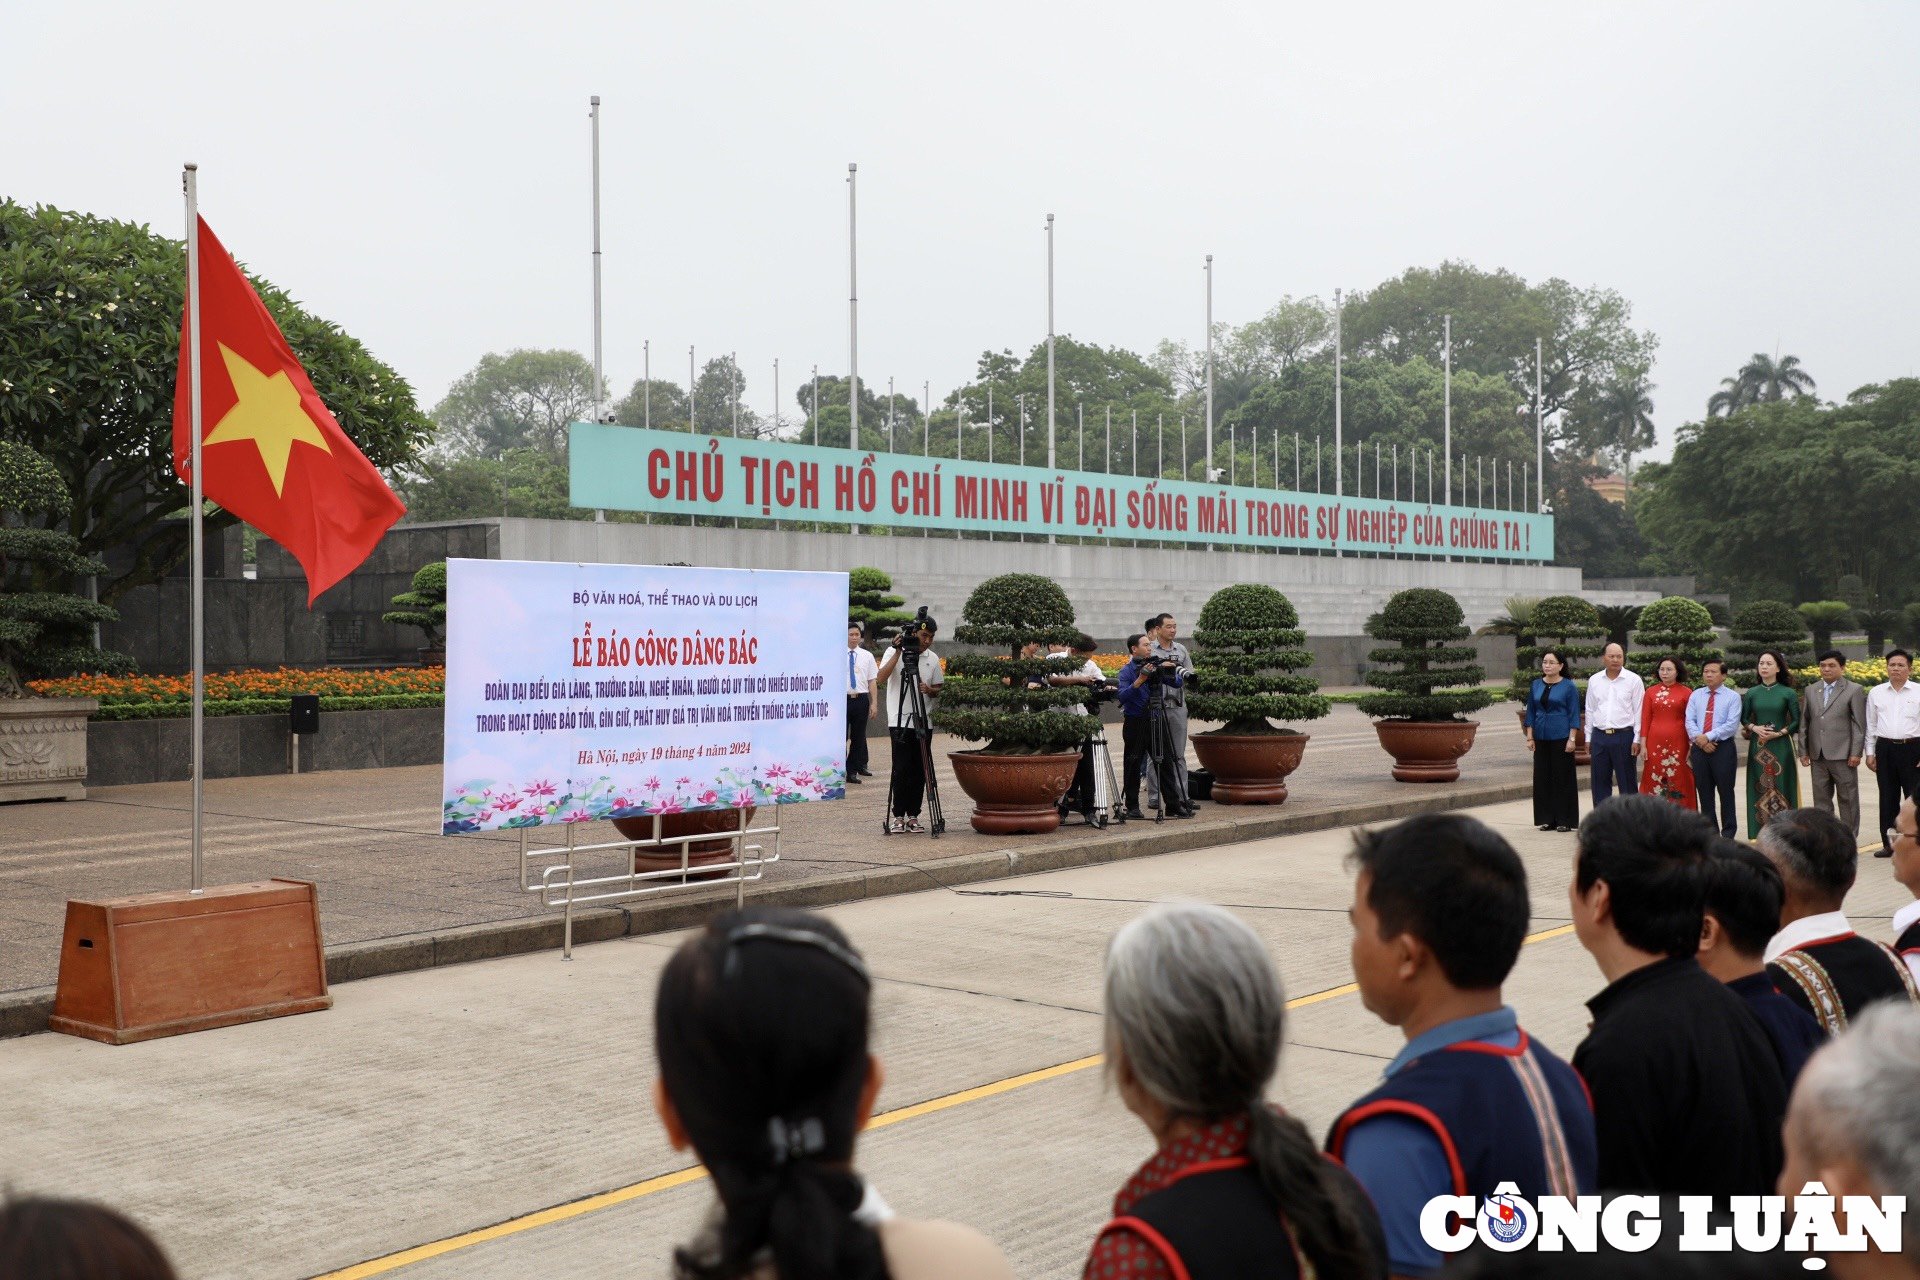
1893 738
1613 726
908 785
862 672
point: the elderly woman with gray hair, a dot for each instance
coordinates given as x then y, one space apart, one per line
1853 1126
1237 1188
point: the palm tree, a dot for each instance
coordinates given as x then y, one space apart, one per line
1734 394
1775 379
1619 620
1627 410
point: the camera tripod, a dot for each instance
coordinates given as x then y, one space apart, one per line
911 716
1114 810
1160 753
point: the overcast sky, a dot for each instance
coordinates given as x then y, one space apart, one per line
1745 174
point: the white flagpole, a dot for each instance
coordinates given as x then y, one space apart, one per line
599 378
196 544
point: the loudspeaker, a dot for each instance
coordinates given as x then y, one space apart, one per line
304 717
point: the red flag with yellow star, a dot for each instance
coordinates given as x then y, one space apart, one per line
273 454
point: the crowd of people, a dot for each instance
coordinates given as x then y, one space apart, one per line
1151 690
1708 1069
1682 739
1745 1041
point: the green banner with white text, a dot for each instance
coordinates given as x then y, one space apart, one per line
672 473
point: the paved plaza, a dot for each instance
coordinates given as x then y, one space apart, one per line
493 1119
371 838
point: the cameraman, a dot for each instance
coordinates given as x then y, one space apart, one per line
1161 630
903 724
1135 705
1088 794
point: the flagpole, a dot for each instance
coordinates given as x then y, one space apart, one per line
599 381
197 547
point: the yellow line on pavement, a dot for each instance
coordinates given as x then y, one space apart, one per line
681 1177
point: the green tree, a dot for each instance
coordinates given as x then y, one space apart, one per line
1750 501
1676 626
1824 617
523 482
1432 676
523 399
1587 337
1569 626
1619 419
662 405
1758 627
718 400
870 604
1617 621
89 345
45 627
1879 623
1773 380
998 700
1248 649
425 606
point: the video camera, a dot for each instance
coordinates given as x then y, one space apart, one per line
908 641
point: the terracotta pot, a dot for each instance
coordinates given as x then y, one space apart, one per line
1014 794
1250 768
700 853
1426 751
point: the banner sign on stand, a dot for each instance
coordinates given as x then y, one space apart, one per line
585 691
634 469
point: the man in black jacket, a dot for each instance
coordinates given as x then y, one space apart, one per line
1817 960
1688 1094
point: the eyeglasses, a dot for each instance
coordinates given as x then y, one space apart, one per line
1895 835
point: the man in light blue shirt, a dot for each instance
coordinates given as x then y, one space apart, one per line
1713 717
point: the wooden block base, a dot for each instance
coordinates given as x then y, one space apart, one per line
159 964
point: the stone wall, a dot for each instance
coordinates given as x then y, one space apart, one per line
265 621
120 752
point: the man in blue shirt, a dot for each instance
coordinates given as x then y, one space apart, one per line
1139 722
1440 910
1713 717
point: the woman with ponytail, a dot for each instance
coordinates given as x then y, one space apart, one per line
1237 1190
760 1024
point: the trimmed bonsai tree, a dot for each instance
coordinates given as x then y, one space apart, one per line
868 604
1824 617
987 697
1760 626
1433 678
425 606
46 629
1247 647
1570 627
1673 625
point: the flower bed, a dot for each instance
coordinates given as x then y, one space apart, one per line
254 692
1866 674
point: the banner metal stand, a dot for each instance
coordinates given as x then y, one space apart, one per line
560 887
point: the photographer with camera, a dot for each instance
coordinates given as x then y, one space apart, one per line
1143 728
912 675
1089 793
1161 630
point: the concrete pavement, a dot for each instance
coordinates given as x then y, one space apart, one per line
370 838
430 1104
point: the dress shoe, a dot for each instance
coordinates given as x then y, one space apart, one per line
1884 853
1134 815
1179 813
854 778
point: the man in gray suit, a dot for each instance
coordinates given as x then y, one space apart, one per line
1833 734
1160 634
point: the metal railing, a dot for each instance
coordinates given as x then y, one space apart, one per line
561 887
